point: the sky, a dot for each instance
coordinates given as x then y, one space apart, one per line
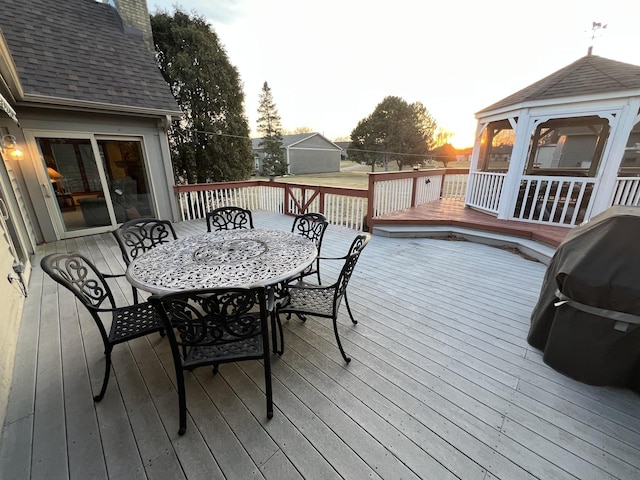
330 63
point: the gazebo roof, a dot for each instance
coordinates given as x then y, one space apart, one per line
590 74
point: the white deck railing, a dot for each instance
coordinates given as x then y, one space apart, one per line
485 190
388 192
541 199
394 191
342 206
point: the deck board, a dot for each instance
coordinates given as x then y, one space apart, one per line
443 383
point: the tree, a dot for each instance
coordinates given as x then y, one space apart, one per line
210 143
269 126
395 131
303 130
445 153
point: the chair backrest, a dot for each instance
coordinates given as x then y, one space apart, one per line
139 235
352 257
77 273
312 226
230 318
229 218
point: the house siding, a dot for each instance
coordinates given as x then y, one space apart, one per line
12 301
308 161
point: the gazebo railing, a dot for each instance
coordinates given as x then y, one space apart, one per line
553 200
627 192
485 190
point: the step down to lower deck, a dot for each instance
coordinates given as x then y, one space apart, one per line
532 248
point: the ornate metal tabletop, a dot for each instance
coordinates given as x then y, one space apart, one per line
222 259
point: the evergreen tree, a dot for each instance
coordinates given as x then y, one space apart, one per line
270 128
210 143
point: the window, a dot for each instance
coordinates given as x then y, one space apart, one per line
567 147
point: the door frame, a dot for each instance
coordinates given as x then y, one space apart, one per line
46 189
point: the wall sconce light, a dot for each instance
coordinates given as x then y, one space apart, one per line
8 143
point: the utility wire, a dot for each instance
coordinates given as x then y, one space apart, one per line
346 149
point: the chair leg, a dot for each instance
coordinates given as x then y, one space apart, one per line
182 401
346 302
135 294
107 370
335 330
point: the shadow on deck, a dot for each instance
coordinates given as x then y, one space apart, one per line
452 217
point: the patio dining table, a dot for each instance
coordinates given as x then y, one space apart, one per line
231 258
228 258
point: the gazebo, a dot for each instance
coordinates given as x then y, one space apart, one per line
562 149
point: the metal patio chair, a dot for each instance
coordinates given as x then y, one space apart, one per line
214 326
311 226
320 301
139 235
229 218
78 274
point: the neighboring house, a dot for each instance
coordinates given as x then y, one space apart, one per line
83 100
305 153
562 149
345 149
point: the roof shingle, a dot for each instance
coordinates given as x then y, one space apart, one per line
77 50
590 74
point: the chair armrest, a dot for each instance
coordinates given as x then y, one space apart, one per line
112 275
333 258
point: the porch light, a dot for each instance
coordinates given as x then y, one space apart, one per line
8 143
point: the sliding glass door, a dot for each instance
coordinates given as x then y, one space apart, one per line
94 182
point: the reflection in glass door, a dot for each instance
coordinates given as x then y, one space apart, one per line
91 194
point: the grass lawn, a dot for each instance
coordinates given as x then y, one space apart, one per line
352 175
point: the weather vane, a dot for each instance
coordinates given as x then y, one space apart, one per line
595 27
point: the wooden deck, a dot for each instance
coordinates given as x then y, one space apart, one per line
442 384
455 213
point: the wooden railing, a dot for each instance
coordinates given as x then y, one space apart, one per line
541 199
393 191
341 206
350 207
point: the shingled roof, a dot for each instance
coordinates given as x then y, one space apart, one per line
291 139
588 75
77 52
